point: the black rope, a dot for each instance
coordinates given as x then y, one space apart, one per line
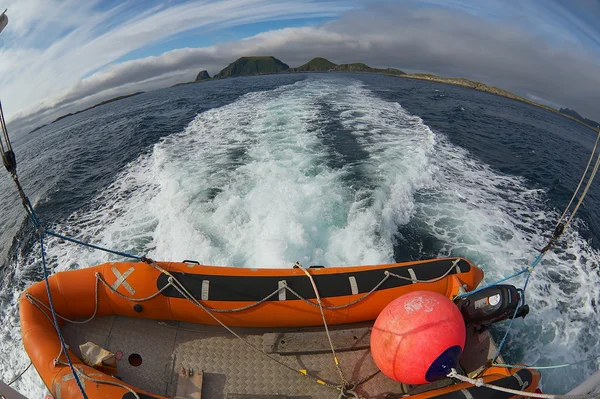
8 156
10 163
20 374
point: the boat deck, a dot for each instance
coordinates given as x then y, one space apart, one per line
226 367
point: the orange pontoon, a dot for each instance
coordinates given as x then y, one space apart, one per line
255 300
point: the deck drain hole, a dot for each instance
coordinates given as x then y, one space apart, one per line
282 341
355 337
135 360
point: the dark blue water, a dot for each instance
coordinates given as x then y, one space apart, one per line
326 169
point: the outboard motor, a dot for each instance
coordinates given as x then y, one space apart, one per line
493 304
3 20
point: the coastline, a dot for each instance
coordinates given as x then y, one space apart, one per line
365 69
474 85
461 82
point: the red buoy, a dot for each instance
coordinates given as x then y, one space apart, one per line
418 337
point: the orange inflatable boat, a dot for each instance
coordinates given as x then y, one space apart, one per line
160 321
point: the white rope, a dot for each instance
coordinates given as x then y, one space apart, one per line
186 294
105 382
479 383
57 360
587 186
99 276
335 358
173 282
387 274
582 178
34 299
431 280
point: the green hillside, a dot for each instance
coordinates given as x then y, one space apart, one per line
361 67
317 64
252 66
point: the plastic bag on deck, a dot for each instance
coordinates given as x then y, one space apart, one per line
99 358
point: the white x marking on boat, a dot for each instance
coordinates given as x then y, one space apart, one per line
122 280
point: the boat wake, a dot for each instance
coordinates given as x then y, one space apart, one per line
325 172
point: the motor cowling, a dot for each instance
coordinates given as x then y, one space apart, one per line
3 20
492 305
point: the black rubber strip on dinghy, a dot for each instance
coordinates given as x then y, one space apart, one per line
255 288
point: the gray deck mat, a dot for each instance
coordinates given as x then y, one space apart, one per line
229 365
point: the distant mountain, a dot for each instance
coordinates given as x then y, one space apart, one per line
203 75
38 128
247 66
576 115
317 64
361 67
252 66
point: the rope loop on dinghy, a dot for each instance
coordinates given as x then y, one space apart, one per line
478 382
343 379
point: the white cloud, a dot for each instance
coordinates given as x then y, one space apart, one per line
38 60
433 39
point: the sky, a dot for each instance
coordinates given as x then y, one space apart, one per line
59 56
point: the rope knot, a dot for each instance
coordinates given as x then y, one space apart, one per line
479 382
347 391
146 260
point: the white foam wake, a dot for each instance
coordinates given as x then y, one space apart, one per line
249 184
497 222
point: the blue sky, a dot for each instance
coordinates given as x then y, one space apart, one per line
208 37
57 56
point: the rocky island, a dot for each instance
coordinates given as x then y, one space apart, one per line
93 106
203 75
264 65
319 64
249 66
575 114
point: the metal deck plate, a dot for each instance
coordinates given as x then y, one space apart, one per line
229 365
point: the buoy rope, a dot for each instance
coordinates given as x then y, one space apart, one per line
336 361
480 383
